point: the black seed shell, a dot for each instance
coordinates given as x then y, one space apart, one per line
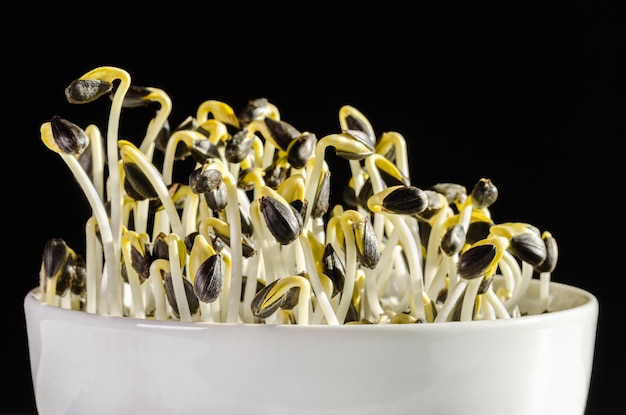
209 279
69 137
368 249
334 268
453 240
406 200
283 221
529 247
552 253
282 132
484 194
83 91
259 298
194 303
475 262
238 146
301 149
136 183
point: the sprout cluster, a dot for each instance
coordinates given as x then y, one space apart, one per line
252 237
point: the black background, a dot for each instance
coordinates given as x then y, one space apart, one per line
531 96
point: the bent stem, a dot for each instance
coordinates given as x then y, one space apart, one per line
110 74
110 253
157 123
132 154
97 158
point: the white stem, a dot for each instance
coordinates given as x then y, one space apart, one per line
469 299
497 305
115 185
313 178
93 262
433 255
190 213
385 264
544 289
158 289
155 126
177 278
133 276
304 302
451 300
224 298
110 251
350 268
97 158
507 276
438 280
320 294
371 295
185 136
234 219
250 287
521 288
410 248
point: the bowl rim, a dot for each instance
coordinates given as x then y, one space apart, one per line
588 304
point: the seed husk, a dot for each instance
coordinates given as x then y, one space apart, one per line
484 194
368 249
192 299
283 221
454 193
529 247
136 184
68 137
333 267
209 279
476 261
139 254
404 200
254 109
301 149
453 240
83 91
322 196
354 145
282 132
281 293
552 253
203 151
136 97
238 146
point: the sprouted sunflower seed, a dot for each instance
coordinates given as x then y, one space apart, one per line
252 238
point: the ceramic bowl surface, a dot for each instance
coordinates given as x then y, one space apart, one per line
538 364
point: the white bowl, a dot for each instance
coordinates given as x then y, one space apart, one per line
537 364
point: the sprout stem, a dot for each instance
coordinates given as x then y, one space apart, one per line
110 253
320 294
177 278
157 123
93 264
156 180
158 268
234 219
